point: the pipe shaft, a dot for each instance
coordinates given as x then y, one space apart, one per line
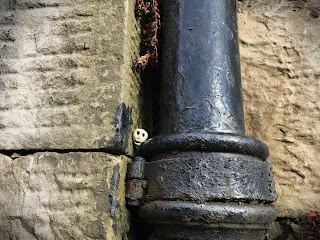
201 87
206 179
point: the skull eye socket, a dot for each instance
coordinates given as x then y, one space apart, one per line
142 134
138 132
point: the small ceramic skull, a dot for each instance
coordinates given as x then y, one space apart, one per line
139 136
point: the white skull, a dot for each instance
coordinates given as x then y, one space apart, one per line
139 136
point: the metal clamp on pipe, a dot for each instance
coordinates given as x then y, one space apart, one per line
206 179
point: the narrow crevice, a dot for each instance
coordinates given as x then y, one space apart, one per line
151 111
151 88
139 230
151 92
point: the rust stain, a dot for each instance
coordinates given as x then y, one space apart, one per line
156 191
132 186
184 196
117 194
159 201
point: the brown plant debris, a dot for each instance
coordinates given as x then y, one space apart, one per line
150 9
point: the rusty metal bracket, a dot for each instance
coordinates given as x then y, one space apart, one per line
136 185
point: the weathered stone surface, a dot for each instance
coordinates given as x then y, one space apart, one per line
63 196
286 230
280 54
65 70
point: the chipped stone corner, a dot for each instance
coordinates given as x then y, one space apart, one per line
122 122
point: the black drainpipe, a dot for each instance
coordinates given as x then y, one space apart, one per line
206 179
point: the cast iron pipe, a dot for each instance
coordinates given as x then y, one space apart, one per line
206 179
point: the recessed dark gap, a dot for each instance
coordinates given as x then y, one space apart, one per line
151 111
151 92
139 230
291 219
151 79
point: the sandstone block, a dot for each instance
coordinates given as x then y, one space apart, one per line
63 196
65 74
280 55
